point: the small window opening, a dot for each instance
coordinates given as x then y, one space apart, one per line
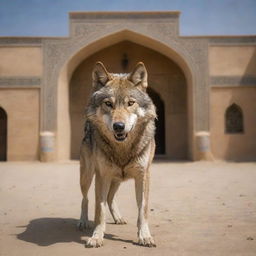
234 119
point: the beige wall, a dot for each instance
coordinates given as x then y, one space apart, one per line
232 60
241 147
165 77
22 108
20 61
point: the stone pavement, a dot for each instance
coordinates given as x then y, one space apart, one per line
196 208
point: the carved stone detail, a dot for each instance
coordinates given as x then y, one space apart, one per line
20 81
103 16
233 81
82 30
232 40
8 41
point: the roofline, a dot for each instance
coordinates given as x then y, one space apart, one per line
125 15
219 36
101 15
127 12
182 36
34 37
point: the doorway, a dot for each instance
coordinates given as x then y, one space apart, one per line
167 88
160 122
3 135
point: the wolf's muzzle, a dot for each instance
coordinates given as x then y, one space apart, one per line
119 127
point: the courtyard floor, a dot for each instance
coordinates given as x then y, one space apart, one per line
196 208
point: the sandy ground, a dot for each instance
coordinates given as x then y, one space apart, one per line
196 208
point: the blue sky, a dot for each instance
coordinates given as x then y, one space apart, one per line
198 17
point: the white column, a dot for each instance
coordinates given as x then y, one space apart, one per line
203 146
47 146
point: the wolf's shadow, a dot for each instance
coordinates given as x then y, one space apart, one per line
48 231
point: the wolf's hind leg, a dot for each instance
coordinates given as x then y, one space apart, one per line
118 219
83 222
86 176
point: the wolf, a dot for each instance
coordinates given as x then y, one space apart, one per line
118 144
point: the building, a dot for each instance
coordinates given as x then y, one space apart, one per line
204 87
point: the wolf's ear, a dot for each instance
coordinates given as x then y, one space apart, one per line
139 76
100 76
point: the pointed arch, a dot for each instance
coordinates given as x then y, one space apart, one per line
76 57
234 120
3 135
175 53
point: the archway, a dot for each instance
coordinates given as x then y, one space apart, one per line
167 87
3 135
177 54
160 122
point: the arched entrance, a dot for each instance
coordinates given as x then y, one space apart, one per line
3 135
167 87
160 122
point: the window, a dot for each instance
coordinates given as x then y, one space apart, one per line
234 119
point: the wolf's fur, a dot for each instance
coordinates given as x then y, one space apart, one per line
114 155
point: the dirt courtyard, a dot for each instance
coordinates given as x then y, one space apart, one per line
196 208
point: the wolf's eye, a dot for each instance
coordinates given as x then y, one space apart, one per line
108 104
131 102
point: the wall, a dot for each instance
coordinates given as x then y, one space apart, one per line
165 77
232 60
236 64
22 108
20 73
240 147
20 61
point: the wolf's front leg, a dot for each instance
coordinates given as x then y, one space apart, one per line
102 185
142 192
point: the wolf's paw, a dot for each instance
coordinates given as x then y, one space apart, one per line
120 221
94 242
145 238
147 241
82 225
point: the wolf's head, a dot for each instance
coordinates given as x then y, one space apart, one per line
119 103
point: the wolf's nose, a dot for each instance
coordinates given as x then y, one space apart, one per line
118 126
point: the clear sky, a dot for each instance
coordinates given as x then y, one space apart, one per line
198 17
